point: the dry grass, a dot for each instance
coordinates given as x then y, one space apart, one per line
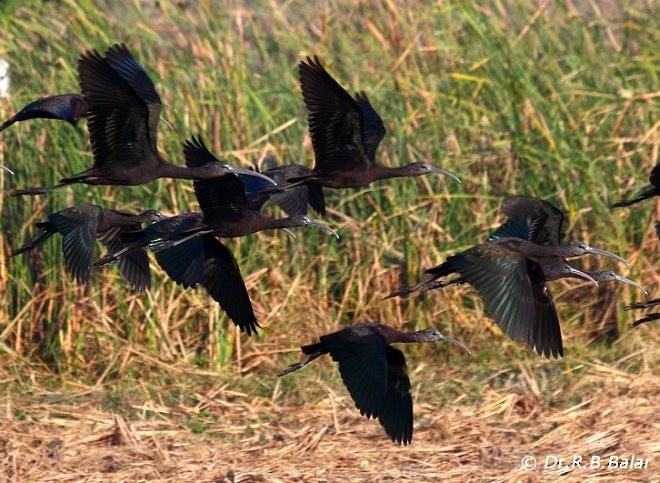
71 438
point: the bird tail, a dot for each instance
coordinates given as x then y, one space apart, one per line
311 351
652 191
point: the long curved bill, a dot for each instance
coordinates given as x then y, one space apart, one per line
619 278
446 173
248 172
6 169
580 274
323 226
598 251
290 233
453 341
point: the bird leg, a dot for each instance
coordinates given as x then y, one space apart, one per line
423 286
643 305
34 243
300 364
648 318
652 191
38 190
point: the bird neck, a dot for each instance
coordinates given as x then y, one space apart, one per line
386 172
169 170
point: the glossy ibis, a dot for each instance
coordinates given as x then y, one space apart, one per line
123 114
645 305
374 372
80 225
294 200
65 107
227 212
510 276
345 134
649 191
200 260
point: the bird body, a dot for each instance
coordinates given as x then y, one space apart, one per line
374 372
293 201
64 107
511 269
80 225
123 115
345 132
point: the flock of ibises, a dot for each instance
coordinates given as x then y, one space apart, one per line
509 270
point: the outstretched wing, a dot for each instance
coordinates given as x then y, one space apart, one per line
222 279
78 227
544 220
514 294
363 368
396 416
134 265
222 199
122 121
334 119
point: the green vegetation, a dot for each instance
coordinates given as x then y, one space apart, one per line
557 103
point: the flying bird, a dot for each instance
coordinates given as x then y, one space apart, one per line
346 133
374 372
81 225
123 114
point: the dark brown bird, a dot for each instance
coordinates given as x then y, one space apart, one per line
345 133
123 114
227 212
81 225
511 269
509 275
374 372
293 201
201 260
649 191
65 107
645 305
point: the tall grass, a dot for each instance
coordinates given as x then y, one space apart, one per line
516 98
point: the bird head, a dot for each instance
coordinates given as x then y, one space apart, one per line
420 168
151 216
434 335
578 248
304 220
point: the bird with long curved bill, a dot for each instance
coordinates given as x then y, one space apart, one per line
81 225
346 132
63 107
124 110
374 372
511 269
